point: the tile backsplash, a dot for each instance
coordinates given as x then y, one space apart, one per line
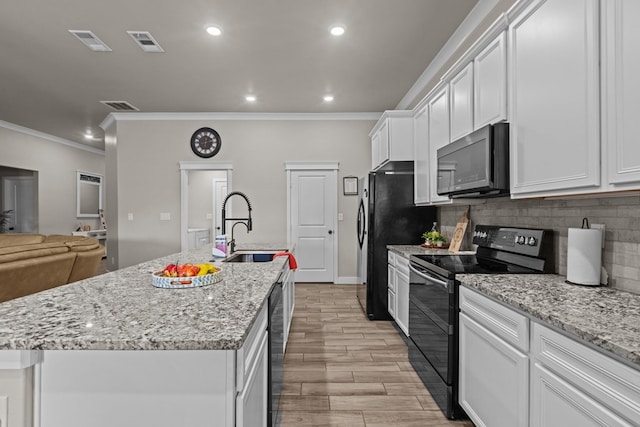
620 215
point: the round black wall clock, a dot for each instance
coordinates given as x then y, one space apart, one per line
206 142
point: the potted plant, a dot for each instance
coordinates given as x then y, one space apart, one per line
434 238
4 219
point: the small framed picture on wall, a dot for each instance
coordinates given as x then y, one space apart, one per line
350 185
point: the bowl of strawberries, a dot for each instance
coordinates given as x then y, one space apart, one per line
180 276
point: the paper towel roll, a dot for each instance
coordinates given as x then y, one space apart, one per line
584 256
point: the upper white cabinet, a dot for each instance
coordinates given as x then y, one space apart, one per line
392 138
554 107
438 112
421 156
490 83
621 85
462 103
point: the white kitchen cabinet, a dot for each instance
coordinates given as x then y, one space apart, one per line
490 83
391 284
494 364
438 112
392 138
421 156
288 302
554 98
572 384
461 103
621 85
251 402
402 293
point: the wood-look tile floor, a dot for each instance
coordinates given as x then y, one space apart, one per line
340 369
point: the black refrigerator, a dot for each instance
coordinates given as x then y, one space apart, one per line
386 216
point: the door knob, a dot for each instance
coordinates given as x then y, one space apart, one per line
330 231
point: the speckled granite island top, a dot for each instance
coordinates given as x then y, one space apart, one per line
608 318
122 310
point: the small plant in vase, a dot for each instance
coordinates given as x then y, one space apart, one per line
434 238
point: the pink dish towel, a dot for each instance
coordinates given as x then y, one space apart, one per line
293 264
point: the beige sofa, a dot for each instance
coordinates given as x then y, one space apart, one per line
31 263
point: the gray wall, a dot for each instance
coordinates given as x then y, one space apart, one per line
56 165
621 216
147 178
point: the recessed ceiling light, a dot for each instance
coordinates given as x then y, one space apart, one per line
214 31
328 98
337 30
250 98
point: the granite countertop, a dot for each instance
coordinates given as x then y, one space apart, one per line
605 317
408 250
122 310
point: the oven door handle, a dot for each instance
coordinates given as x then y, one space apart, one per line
428 277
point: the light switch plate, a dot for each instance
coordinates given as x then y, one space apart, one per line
165 216
130 216
209 216
340 216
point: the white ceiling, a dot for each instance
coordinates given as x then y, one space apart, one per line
278 50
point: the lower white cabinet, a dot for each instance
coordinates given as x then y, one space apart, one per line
555 402
572 384
519 372
288 302
251 402
391 284
494 382
402 293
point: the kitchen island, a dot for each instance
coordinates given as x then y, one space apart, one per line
114 350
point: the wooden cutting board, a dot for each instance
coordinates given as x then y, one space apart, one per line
458 234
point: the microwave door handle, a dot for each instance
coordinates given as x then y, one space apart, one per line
428 277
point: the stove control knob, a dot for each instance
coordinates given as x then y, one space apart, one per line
521 240
532 241
484 234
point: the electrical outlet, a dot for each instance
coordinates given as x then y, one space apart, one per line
599 227
165 216
130 216
340 217
209 216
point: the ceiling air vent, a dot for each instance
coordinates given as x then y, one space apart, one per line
91 40
119 105
146 41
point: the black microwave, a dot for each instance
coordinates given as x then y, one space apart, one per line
476 165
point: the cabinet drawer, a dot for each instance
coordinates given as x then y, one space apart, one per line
612 383
502 321
249 352
402 265
391 258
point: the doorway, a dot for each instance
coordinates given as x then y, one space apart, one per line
203 175
312 199
20 197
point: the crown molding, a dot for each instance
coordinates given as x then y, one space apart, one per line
135 116
48 137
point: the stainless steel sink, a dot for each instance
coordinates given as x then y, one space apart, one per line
252 255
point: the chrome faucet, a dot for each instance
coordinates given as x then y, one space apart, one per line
247 224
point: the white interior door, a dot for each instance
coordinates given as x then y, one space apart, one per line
313 204
19 197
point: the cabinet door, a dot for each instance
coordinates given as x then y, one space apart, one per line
461 93
555 145
251 403
438 108
375 149
391 303
490 83
421 156
402 302
494 382
621 85
555 402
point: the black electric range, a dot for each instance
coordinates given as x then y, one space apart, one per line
433 300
